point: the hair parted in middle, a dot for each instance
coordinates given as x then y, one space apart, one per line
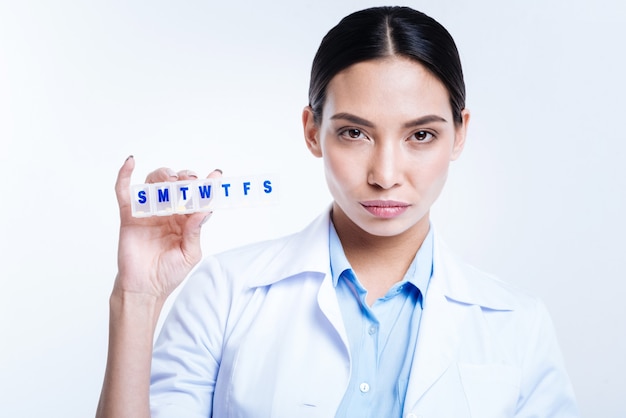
388 31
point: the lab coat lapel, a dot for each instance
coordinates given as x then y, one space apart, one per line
329 305
438 341
452 324
441 328
307 252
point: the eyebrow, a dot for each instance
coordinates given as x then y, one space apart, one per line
364 122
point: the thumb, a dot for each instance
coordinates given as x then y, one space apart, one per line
192 230
191 233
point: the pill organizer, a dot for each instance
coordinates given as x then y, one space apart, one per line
202 195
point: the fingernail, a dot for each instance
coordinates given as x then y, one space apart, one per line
218 170
171 173
206 218
129 157
191 173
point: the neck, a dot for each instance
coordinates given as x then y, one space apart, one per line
379 261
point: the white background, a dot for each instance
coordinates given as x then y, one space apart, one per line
537 198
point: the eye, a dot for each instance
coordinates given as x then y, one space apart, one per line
423 136
352 133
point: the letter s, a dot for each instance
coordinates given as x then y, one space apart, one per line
142 196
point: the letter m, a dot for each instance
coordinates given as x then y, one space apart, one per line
164 195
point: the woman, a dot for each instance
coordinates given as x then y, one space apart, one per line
363 313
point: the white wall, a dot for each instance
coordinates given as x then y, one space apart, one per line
537 198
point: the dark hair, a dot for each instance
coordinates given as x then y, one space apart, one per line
380 32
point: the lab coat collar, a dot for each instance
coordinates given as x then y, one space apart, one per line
303 252
308 252
466 284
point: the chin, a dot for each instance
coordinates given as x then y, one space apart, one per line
386 228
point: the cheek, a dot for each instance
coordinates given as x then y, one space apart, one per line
431 173
337 169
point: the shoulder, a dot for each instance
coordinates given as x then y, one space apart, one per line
466 283
268 261
517 318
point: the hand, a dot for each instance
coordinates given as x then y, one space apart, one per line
156 253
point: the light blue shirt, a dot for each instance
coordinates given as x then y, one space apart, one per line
382 337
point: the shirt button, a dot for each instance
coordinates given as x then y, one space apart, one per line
372 330
364 387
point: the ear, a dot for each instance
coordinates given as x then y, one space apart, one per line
460 135
311 132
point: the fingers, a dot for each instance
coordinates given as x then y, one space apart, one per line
164 174
217 173
161 175
186 175
196 220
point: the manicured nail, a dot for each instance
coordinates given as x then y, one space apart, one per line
206 218
171 173
218 170
191 173
129 157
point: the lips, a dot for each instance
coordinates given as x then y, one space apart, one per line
385 208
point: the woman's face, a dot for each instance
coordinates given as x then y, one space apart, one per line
387 137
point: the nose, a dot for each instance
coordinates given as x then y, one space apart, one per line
385 166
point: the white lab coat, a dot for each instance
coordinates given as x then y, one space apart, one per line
258 332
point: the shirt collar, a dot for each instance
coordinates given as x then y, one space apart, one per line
418 273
